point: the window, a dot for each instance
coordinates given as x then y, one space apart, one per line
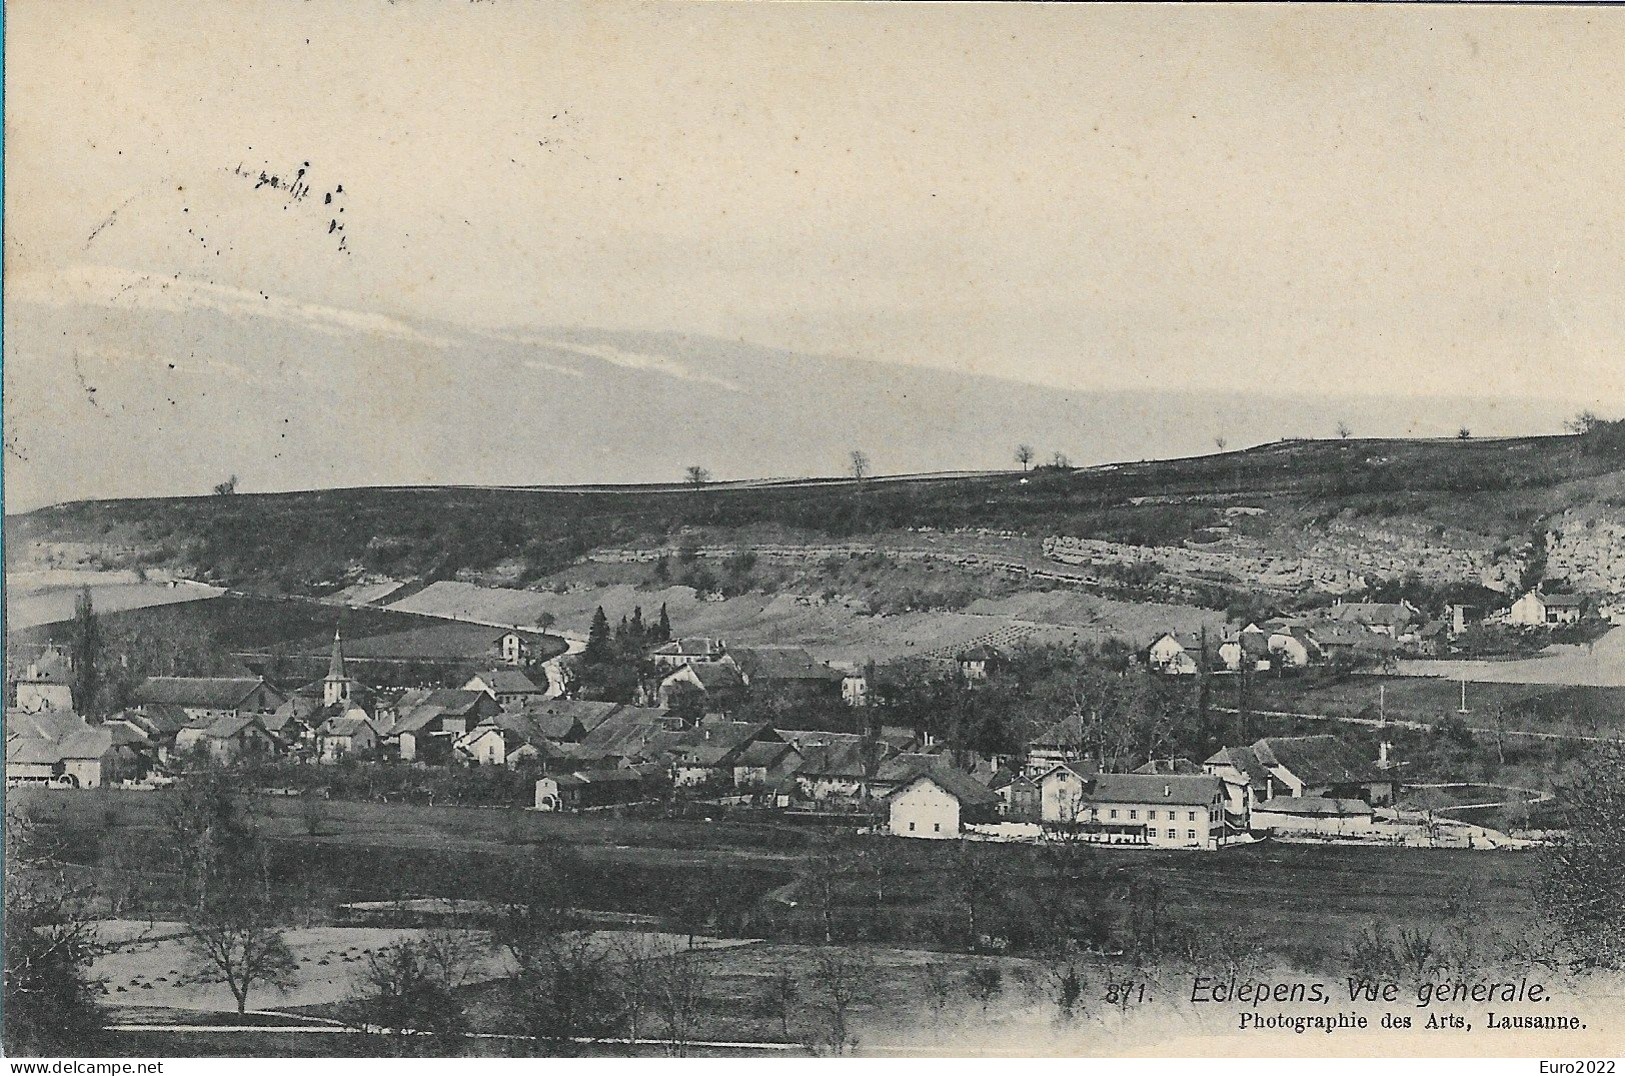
1151 815
1190 834
1114 812
911 827
1172 833
1192 817
1134 814
936 827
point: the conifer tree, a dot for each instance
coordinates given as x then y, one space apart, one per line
663 629
597 638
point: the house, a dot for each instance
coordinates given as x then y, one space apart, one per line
1535 610
513 648
1061 742
1253 643
1018 795
1323 766
1292 646
226 739
1396 620
1320 815
510 687
712 750
345 737
979 662
295 722
1349 643
898 770
1247 781
680 652
1159 810
1175 654
1433 640
835 767
596 788
936 802
44 687
717 686
764 763
429 721
630 736
64 751
201 697
786 669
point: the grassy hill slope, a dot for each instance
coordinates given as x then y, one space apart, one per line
1493 496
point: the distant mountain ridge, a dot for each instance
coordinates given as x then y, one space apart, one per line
163 397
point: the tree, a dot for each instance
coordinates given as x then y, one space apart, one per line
859 465
49 943
663 627
839 980
1220 443
404 988
226 488
1583 868
1060 461
598 639
696 477
87 657
1024 456
1464 434
1344 431
234 937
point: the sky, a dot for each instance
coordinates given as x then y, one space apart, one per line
1411 200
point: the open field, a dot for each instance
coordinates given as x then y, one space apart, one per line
1597 664
252 624
831 630
46 597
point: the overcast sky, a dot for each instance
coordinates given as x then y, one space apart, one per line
1324 200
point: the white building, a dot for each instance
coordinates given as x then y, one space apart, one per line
1320 815
1174 655
1536 610
933 805
1160 810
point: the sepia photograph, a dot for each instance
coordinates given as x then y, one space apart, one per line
762 530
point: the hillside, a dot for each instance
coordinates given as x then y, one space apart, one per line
1301 518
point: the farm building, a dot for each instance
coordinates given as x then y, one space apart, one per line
1174 654
1535 610
344 736
202 697
1314 815
58 747
510 687
595 788
680 652
936 802
226 738
1323 766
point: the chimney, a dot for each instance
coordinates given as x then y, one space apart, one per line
1167 790
33 671
1382 755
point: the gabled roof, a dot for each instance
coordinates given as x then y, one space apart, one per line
762 754
1317 760
839 758
1190 790
226 727
905 767
1065 733
1375 614
343 726
712 677
980 652
1244 760
86 743
1562 601
590 713
781 663
203 692
508 682
692 648
44 724
958 784
32 751
1170 765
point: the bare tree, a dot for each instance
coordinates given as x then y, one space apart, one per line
838 982
226 488
234 933
1344 431
1583 869
677 981
403 989
858 465
1024 456
1060 461
696 477
1464 434
1221 443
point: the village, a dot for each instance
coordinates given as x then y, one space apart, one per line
882 748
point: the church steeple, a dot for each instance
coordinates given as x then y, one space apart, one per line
336 688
